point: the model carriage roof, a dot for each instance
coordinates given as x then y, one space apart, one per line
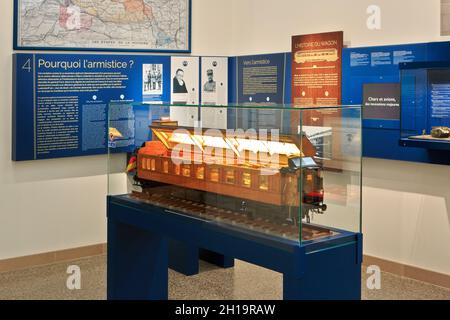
238 141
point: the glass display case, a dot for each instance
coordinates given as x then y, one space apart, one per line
294 175
425 105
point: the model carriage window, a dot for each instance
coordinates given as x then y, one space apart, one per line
264 182
186 171
229 176
177 169
166 166
153 165
200 173
247 179
214 175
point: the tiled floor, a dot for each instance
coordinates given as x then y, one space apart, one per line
245 281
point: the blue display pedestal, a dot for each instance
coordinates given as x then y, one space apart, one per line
140 235
184 258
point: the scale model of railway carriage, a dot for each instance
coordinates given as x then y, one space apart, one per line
248 173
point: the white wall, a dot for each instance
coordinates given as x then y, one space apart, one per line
265 26
406 213
59 204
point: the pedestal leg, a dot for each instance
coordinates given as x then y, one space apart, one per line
217 259
332 274
137 263
183 258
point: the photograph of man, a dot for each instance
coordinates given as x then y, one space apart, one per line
179 86
148 81
210 85
153 81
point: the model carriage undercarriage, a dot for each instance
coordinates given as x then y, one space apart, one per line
262 183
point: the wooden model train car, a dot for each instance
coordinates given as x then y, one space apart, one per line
277 172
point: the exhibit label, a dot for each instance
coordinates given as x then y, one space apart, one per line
381 101
317 69
60 102
214 92
261 78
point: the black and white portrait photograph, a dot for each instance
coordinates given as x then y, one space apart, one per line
210 85
152 79
179 84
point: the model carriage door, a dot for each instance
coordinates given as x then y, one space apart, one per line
185 90
214 87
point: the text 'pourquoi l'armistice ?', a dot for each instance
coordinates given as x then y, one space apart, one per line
84 64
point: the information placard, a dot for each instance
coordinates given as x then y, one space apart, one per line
381 101
317 69
261 78
61 101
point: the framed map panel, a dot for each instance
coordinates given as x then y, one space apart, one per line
103 25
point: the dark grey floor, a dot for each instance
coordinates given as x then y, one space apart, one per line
245 281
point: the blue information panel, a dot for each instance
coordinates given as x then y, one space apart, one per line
260 78
375 65
60 102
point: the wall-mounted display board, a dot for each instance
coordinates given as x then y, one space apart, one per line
317 69
381 101
214 91
131 25
60 101
251 79
214 81
185 89
260 80
378 65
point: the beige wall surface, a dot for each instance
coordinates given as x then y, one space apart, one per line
445 17
261 26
